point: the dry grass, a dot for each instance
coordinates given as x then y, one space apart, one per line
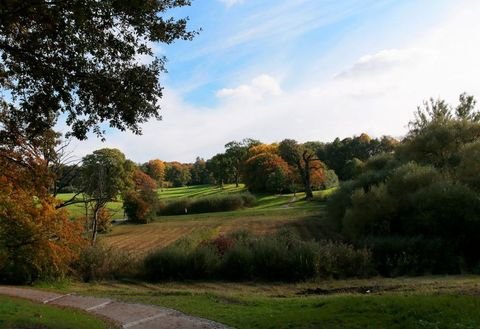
140 239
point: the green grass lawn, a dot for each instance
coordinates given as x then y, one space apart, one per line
264 201
78 210
21 314
428 302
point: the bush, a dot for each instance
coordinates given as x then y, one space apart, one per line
205 205
237 263
203 263
140 206
418 255
170 263
240 256
340 260
101 263
175 207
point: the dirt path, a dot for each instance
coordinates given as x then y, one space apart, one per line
134 316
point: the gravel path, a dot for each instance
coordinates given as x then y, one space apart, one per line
134 316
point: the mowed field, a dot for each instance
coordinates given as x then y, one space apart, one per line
271 213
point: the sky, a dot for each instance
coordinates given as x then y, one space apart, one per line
310 70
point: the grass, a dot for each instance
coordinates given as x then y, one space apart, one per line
21 314
428 302
264 201
78 210
271 213
140 239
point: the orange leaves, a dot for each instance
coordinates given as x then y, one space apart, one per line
36 240
143 181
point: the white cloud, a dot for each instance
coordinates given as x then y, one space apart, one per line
386 60
260 87
230 3
376 94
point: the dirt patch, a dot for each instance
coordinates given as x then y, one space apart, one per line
350 290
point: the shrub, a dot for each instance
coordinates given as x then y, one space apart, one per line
175 207
140 206
249 200
340 260
237 263
170 263
206 205
416 255
101 263
203 263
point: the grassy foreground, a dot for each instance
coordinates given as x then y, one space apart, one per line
21 314
435 302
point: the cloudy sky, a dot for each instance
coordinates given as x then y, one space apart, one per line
305 69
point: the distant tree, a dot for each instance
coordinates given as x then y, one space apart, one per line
237 152
141 202
303 159
105 174
156 170
199 172
267 172
339 154
177 174
219 167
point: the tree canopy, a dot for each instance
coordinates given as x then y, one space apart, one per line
83 59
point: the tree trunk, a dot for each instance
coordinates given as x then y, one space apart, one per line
95 226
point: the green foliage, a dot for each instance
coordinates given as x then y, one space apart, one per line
99 262
331 180
237 263
240 256
412 255
177 174
105 174
171 263
341 260
429 192
97 76
345 156
208 204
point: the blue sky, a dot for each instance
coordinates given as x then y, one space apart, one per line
304 69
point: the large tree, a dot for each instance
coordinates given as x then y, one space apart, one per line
303 159
84 59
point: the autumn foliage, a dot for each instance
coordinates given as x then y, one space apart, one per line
36 239
141 202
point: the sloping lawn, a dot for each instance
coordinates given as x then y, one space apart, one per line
21 314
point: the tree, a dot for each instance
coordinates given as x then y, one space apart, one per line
303 159
199 173
439 131
141 202
177 174
220 168
105 174
237 152
81 58
266 172
156 170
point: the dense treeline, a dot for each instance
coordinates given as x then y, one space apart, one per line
418 209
